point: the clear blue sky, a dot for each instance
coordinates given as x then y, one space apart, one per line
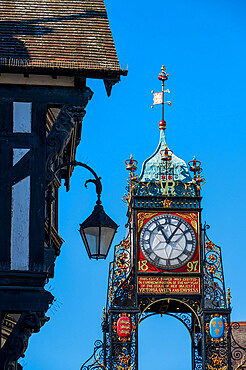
202 44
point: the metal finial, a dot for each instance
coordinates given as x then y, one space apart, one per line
163 76
158 97
195 167
131 165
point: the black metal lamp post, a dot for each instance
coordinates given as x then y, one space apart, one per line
98 229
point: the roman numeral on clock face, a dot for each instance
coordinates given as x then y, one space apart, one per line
168 221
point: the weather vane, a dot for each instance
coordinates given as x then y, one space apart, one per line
158 98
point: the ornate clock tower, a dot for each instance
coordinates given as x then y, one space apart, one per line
166 264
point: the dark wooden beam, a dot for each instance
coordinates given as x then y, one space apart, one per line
43 94
24 300
6 155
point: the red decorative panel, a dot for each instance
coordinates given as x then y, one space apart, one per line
124 326
171 285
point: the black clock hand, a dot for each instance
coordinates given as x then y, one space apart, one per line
163 233
173 233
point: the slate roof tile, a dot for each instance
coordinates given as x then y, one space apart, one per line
62 34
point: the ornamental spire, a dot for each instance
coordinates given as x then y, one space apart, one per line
158 98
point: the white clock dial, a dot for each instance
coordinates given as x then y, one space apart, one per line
167 241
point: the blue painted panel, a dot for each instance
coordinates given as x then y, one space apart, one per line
216 327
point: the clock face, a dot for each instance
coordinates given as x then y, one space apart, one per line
167 241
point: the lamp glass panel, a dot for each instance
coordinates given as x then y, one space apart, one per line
92 236
107 234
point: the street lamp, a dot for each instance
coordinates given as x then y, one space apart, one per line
98 230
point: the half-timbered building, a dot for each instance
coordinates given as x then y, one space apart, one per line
49 49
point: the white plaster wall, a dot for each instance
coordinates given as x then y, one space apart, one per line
18 154
20 221
22 117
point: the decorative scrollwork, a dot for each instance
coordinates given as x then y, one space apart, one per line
154 188
144 302
120 285
96 357
193 217
125 295
185 189
185 318
144 216
213 261
147 188
214 296
214 286
193 304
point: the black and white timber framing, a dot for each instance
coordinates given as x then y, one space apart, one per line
23 171
27 155
43 96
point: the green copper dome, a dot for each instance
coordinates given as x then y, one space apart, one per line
154 167
163 173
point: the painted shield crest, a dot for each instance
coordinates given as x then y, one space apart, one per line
124 327
216 327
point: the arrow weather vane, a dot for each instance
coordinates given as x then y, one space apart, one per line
158 98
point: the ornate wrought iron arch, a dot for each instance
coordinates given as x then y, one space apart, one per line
183 318
168 300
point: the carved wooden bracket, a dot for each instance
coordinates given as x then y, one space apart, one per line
16 344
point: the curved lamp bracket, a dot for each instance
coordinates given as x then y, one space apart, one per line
98 184
96 181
